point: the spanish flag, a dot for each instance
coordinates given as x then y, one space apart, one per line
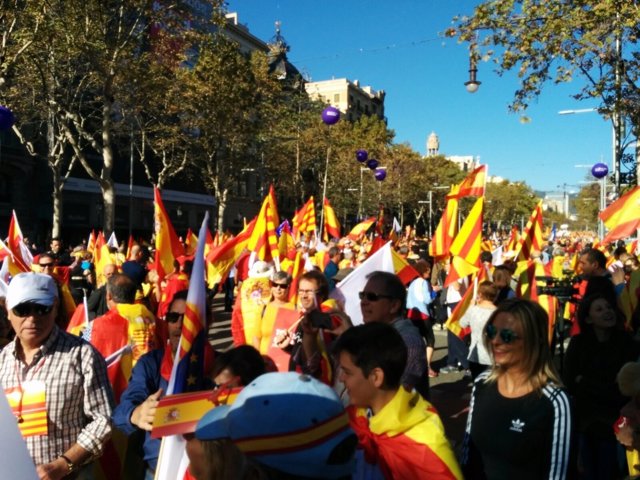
402 268
622 217
446 231
472 186
223 257
331 223
102 258
21 254
168 246
361 228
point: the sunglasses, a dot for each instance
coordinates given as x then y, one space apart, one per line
506 335
173 317
372 297
308 292
46 265
29 309
279 285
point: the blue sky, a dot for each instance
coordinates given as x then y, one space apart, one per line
397 46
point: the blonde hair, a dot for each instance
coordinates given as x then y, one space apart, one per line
538 361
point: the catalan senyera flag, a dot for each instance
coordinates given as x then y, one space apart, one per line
331 223
223 257
466 247
445 231
531 239
361 228
622 217
91 242
28 402
188 366
472 186
296 272
21 254
304 221
514 239
263 240
168 246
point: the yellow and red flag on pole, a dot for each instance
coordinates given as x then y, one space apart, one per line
467 245
263 240
514 239
445 231
304 220
168 245
101 258
531 239
190 242
331 223
223 257
622 217
285 241
472 186
402 268
22 257
361 228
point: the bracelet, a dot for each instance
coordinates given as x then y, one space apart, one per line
70 465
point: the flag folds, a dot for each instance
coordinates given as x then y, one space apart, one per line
168 246
361 228
472 186
331 223
445 231
467 245
622 217
531 239
263 240
304 221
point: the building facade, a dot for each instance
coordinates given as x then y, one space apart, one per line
352 99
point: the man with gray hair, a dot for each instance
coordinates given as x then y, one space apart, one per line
56 383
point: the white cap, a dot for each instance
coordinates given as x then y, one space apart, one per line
31 287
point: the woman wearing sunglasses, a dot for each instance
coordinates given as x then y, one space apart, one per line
519 423
280 283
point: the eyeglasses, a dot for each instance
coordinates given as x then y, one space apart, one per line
372 297
29 309
279 285
308 292
506 335
46 265
173 317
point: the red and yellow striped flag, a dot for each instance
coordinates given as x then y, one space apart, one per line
446 231
263 240
514 239
622 217
223 257
472 186
168 246
304 221
22 257
466 246
361 228
331 223
532 237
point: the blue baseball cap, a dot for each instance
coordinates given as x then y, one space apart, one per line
287 421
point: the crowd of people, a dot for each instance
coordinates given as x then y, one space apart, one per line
306 391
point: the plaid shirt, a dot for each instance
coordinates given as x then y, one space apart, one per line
78 395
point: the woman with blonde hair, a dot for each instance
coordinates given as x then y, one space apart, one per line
519 423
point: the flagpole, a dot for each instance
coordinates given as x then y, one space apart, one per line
324 188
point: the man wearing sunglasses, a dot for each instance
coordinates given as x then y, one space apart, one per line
46 366
383 300
149 380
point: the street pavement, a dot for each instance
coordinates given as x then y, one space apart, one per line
450 393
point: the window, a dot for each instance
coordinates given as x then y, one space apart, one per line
336 98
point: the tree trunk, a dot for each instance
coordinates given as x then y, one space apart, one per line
106 182
56 227
221 202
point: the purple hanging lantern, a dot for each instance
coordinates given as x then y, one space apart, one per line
362 155
380 174
330 115
373 163
6 118
600 170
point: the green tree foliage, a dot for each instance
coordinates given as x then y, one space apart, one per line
551 40
587 203
508 203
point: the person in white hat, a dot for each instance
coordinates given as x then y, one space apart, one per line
56 383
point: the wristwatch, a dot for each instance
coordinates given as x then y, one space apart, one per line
70 465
